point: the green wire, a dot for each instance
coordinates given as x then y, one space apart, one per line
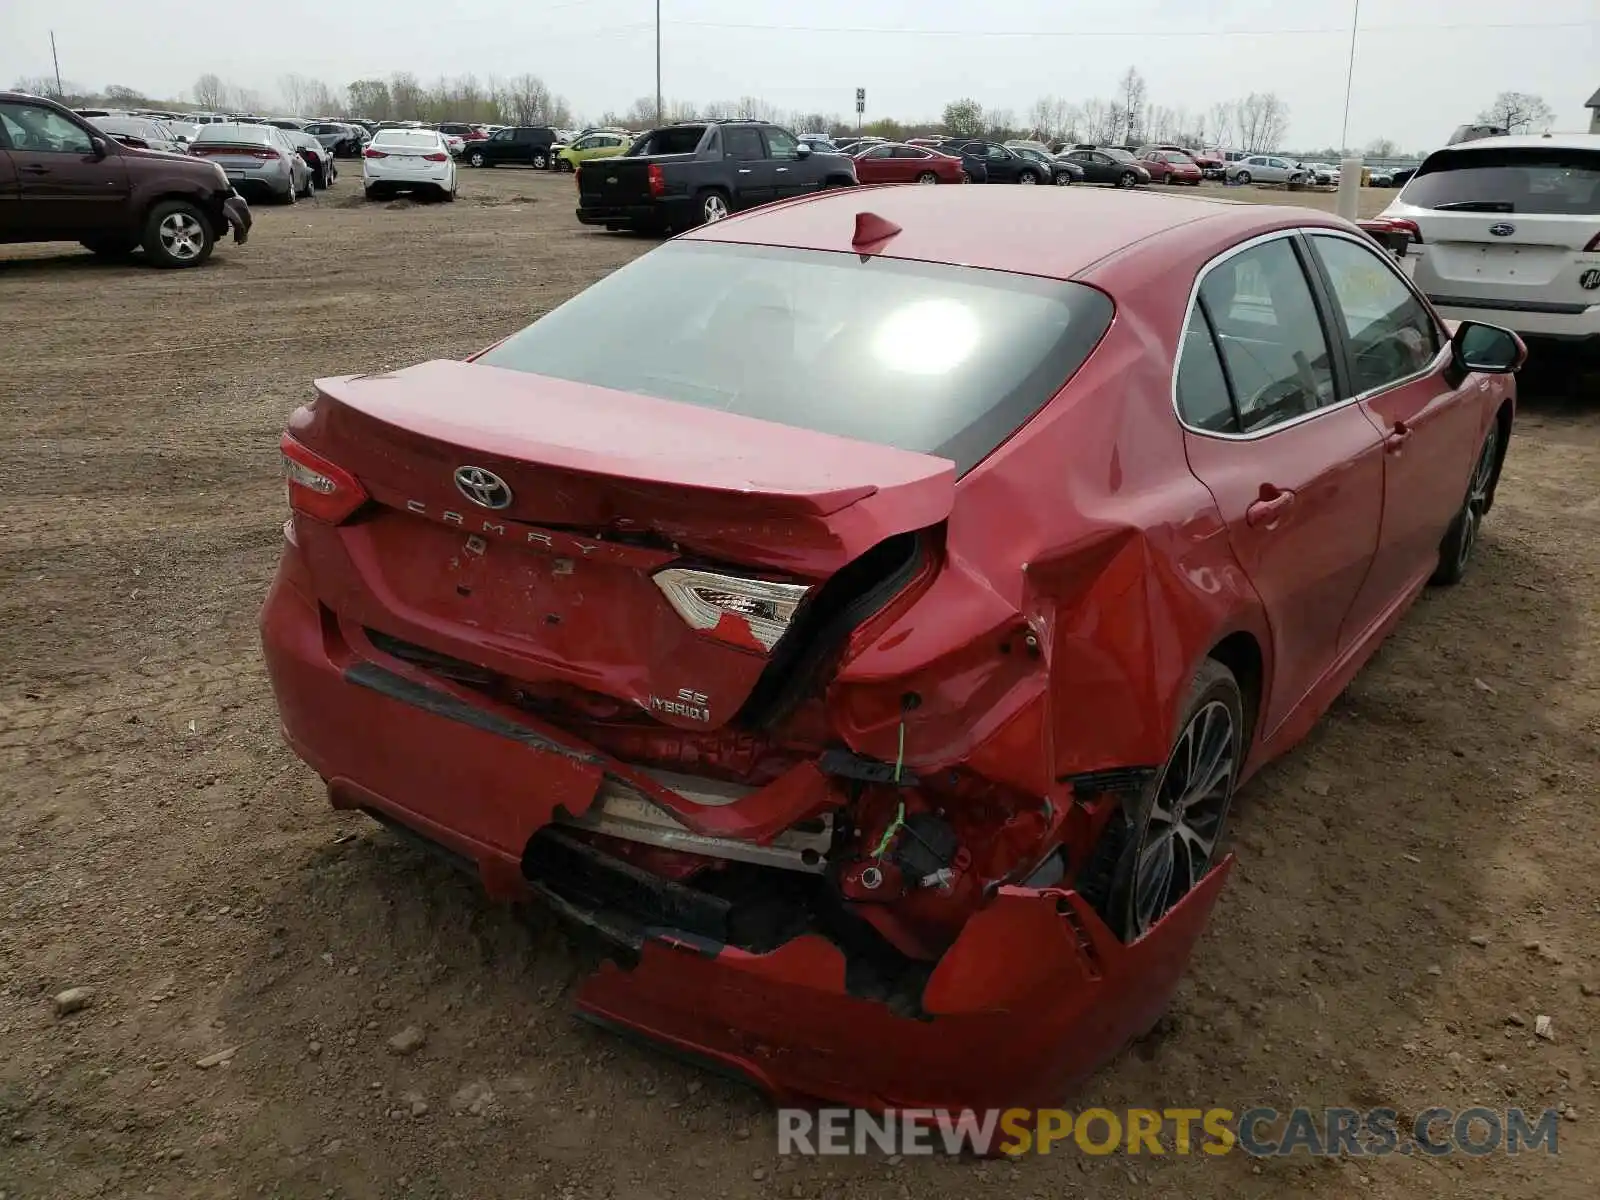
900 816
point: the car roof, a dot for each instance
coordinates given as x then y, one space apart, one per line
1534 141
1052 232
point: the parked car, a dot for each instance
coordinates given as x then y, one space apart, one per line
1210 162
184 131
317 157
1170 166
1322 173
464 130
999 599
1109 164
293 124
1380 177
69 182
820 143
529 145
591 146
1001 164
1029 144
344 140
257 158
141 133
893 162
699 172
1507 229
414 160
1265 168
1062 172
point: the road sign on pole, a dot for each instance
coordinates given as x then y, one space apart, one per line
861 100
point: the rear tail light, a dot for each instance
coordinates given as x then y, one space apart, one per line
751 614
1401 225
1593 245
317 487
436 156
658 181
369 152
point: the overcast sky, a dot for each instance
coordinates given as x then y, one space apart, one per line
1422 66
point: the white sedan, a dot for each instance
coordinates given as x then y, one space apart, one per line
408 160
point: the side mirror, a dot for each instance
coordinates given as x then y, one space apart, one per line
1487 349
802 151
98 147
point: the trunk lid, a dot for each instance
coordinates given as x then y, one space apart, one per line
554 588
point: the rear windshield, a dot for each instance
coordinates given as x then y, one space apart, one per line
245 135
1521 179
678 140
937 359
421 138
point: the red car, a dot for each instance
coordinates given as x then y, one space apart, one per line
894 162
869 647
1171 166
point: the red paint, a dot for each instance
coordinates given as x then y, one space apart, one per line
895 163
1069 587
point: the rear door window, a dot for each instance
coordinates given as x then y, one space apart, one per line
1270 334
742 143
1512 180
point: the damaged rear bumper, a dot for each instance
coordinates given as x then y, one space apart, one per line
1034 994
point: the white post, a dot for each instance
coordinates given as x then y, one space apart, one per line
1349 199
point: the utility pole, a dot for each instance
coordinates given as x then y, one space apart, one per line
660 117
1349 79
60 91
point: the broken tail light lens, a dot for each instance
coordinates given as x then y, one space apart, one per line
317 487
751 614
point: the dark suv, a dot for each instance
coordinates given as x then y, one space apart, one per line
527 144
62 180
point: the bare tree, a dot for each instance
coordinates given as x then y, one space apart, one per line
320 99
247 100
45 85
119 96
210 92
405 96
1518 112
1131 105
293 88
1101 121
1222 121
1381 148
370 98
999 124
1263 120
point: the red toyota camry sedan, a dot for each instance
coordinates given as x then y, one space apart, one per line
891 162
862 612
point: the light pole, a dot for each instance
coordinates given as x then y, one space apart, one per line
1349 78
1348 204
660 119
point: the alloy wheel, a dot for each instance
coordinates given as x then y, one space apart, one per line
181 236
1027 177
714 208
927 177
1186 814
1477 504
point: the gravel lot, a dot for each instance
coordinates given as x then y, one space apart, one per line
1415 884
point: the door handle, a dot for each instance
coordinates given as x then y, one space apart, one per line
744 170
35 169
1271 505
781 170
1397 437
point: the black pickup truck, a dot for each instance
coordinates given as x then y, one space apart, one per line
680 176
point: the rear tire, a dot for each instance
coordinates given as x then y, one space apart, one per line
449 197
176 234
927 177
477 159
1027 177
1163 842
540 160
714 206
292 195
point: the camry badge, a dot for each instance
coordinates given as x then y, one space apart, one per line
482 487
1502 229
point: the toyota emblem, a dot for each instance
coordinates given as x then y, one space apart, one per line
482 487
1502 229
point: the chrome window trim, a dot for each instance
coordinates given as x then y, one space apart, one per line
1251 244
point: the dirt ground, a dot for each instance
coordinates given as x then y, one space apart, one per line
1415 884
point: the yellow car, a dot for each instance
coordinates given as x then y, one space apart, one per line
591 145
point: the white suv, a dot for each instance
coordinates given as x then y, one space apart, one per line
1507 230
